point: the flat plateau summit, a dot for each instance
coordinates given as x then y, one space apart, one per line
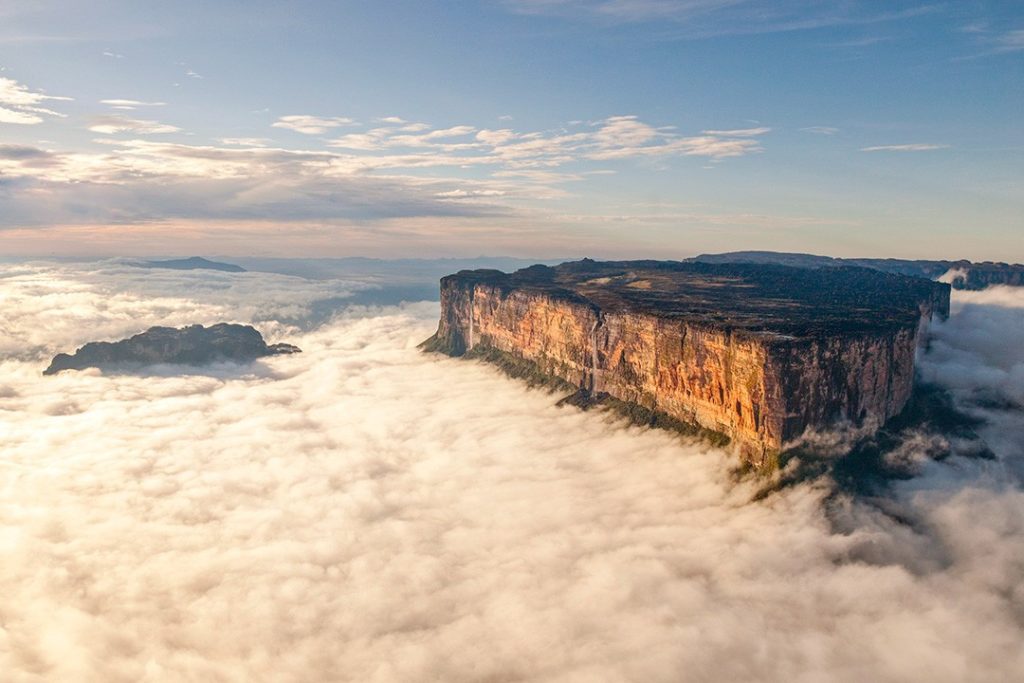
759 353
194 345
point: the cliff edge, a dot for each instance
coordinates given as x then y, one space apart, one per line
759 353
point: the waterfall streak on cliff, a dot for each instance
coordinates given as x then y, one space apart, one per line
469 345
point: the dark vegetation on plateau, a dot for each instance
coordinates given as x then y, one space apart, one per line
741 297
969 275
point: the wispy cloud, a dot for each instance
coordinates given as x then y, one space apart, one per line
246 142
312 125
143 181
1011 41
859 42
22 153
130 104
109 125
708 18
912 147
820 130
371 174
18 117
20 105
739 133
616 137
990 41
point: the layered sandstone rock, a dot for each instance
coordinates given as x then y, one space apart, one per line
759 353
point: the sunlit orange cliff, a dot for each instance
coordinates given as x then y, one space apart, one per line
757 353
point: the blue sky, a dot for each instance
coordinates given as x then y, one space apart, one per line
546 128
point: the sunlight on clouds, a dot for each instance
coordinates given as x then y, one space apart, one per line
18 117
246 142
452 231
20 105
369 174
110 125
70 305
396 168
915 147
614 137
362 511
130 104
311 125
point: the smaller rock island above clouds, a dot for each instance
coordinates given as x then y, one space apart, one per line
194 345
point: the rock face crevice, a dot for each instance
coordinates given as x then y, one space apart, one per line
757 353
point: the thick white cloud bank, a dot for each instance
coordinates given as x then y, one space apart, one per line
365 512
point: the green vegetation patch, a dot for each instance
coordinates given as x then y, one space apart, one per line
642 416
435 344
519 368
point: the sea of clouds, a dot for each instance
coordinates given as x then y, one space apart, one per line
362 511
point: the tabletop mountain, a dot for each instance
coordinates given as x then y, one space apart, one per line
194 345
759 353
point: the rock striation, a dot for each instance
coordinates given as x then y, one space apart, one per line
193 345
758 353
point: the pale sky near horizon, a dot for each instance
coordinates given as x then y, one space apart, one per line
539 128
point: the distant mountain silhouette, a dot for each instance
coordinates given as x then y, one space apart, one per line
193 263
961 274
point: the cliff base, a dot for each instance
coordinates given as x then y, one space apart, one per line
529 372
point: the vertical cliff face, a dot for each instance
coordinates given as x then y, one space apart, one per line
637 332
865 379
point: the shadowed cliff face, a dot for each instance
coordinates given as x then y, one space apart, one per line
757 353
194 345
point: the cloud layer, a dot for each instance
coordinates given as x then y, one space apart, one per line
708 18
21 105
364 512
912 147
393 169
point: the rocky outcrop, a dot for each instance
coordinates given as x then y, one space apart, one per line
194 345
757 353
